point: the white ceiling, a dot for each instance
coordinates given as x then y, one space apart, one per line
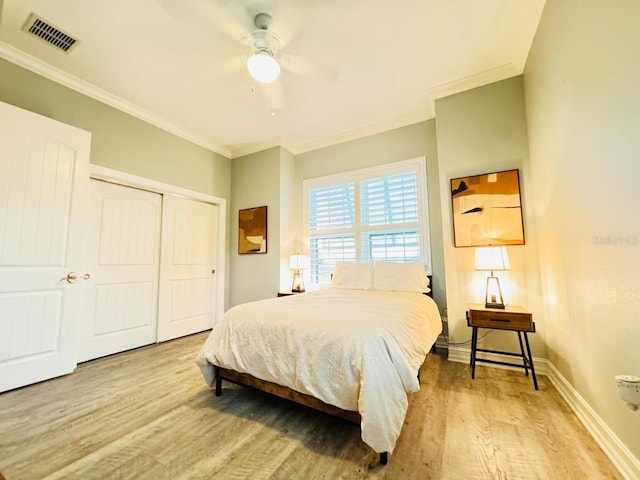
354 67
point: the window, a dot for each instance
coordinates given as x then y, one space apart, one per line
373 214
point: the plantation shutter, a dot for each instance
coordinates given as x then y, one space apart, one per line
365 216
389 200
331 224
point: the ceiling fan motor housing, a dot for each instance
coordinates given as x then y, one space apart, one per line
264 41
262 21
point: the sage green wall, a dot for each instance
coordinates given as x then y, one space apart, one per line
288 189
417 140
255 181
583 111
480 131
119 140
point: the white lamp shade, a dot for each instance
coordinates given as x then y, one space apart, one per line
492 258
263 67
298 262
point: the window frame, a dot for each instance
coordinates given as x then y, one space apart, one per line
417 165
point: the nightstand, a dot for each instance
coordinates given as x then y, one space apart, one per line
516 319
287 293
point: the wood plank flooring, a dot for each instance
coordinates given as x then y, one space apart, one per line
148 414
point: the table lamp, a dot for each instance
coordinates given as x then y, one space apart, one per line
297 262
492 259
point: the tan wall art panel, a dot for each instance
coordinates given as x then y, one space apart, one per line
487 210
252 230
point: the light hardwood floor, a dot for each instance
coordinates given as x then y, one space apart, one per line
148 414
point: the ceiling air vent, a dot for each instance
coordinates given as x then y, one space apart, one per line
47 32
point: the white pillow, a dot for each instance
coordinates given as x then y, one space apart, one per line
405 277
353 275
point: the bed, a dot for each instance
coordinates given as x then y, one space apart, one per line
351 352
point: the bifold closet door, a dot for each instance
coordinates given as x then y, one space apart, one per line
187 267
44 171
123 251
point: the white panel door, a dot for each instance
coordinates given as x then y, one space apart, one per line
123 251
43 182
187 267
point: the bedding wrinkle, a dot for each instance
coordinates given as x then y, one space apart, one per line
359 350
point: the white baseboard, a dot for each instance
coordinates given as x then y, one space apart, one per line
462 354
618 453
459 354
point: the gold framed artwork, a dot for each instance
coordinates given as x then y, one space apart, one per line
487 210
252 230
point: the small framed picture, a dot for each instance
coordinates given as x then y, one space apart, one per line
252 230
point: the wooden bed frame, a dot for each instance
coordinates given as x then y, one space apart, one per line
248 380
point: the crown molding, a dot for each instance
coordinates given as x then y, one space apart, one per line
35 65
257 147
492 75
50 72
398 122
466 83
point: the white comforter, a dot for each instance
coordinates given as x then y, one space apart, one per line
355 349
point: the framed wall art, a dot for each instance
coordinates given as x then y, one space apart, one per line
487 210
252 230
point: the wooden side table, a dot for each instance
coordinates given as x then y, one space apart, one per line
512 318
287 293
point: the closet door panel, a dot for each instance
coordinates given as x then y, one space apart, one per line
120 310
187 272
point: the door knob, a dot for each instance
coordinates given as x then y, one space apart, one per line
70 278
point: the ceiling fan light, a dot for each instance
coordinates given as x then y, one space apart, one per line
263 67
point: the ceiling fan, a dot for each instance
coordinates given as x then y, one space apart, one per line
263 58
266 62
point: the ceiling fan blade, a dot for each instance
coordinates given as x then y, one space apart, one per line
306 68
236 64
225 16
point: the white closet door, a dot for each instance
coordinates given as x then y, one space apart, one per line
120 308
43 182
187 267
